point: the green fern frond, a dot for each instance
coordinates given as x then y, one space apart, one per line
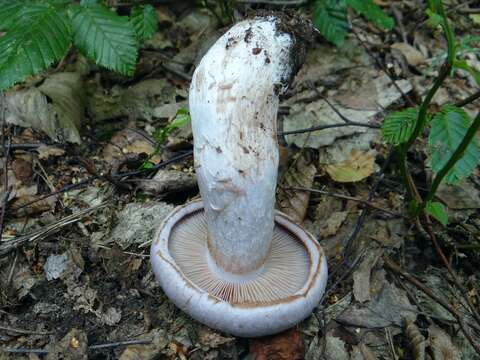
38 37
330 18
105 37
144 21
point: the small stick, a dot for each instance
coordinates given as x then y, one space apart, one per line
395 268
92 347
345 197
23 331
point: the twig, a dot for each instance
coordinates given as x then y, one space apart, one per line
345 197
23 331
92 347
324 127
346 121
363 215
380 65
6 152
120 343
469 99
115 176
395 268
446 263
50 229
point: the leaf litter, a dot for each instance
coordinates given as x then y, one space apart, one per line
82 274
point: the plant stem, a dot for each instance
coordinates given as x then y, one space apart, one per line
423 111
456 156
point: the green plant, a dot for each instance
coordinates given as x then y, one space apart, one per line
182 117
330 17
40 32
453 149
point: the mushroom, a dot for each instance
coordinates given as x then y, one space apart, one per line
230 260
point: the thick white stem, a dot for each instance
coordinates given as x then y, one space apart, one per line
233 105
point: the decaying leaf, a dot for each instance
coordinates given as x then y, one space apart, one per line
333 223
287 345
56 107
412 55
300 174
381 94
45 151
357 167
442 345
137 222
210 339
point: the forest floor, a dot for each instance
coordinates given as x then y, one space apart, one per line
77 219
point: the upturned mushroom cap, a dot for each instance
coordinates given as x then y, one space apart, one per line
285 291
231 261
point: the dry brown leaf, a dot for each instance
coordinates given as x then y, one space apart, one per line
45 151
287 345
212 339
128 141
442 345
412 55
300 174
357 167
333 223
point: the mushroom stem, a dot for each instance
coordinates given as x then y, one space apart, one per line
233 105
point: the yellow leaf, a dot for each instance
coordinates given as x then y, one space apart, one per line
357 167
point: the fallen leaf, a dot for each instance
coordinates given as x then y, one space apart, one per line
357 167
287 345
45 151
333 223
210 339
412 55
56 107
442 345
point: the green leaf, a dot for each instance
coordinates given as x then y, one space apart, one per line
181 118
144 21
330 18
372 12
9 10
437 210
448 129
398 127
105 37
433 18
38 37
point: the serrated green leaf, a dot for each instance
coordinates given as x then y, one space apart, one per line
144 21
448 129
372 12
38 37
105 37
330 18
437 210
9 10
398 127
